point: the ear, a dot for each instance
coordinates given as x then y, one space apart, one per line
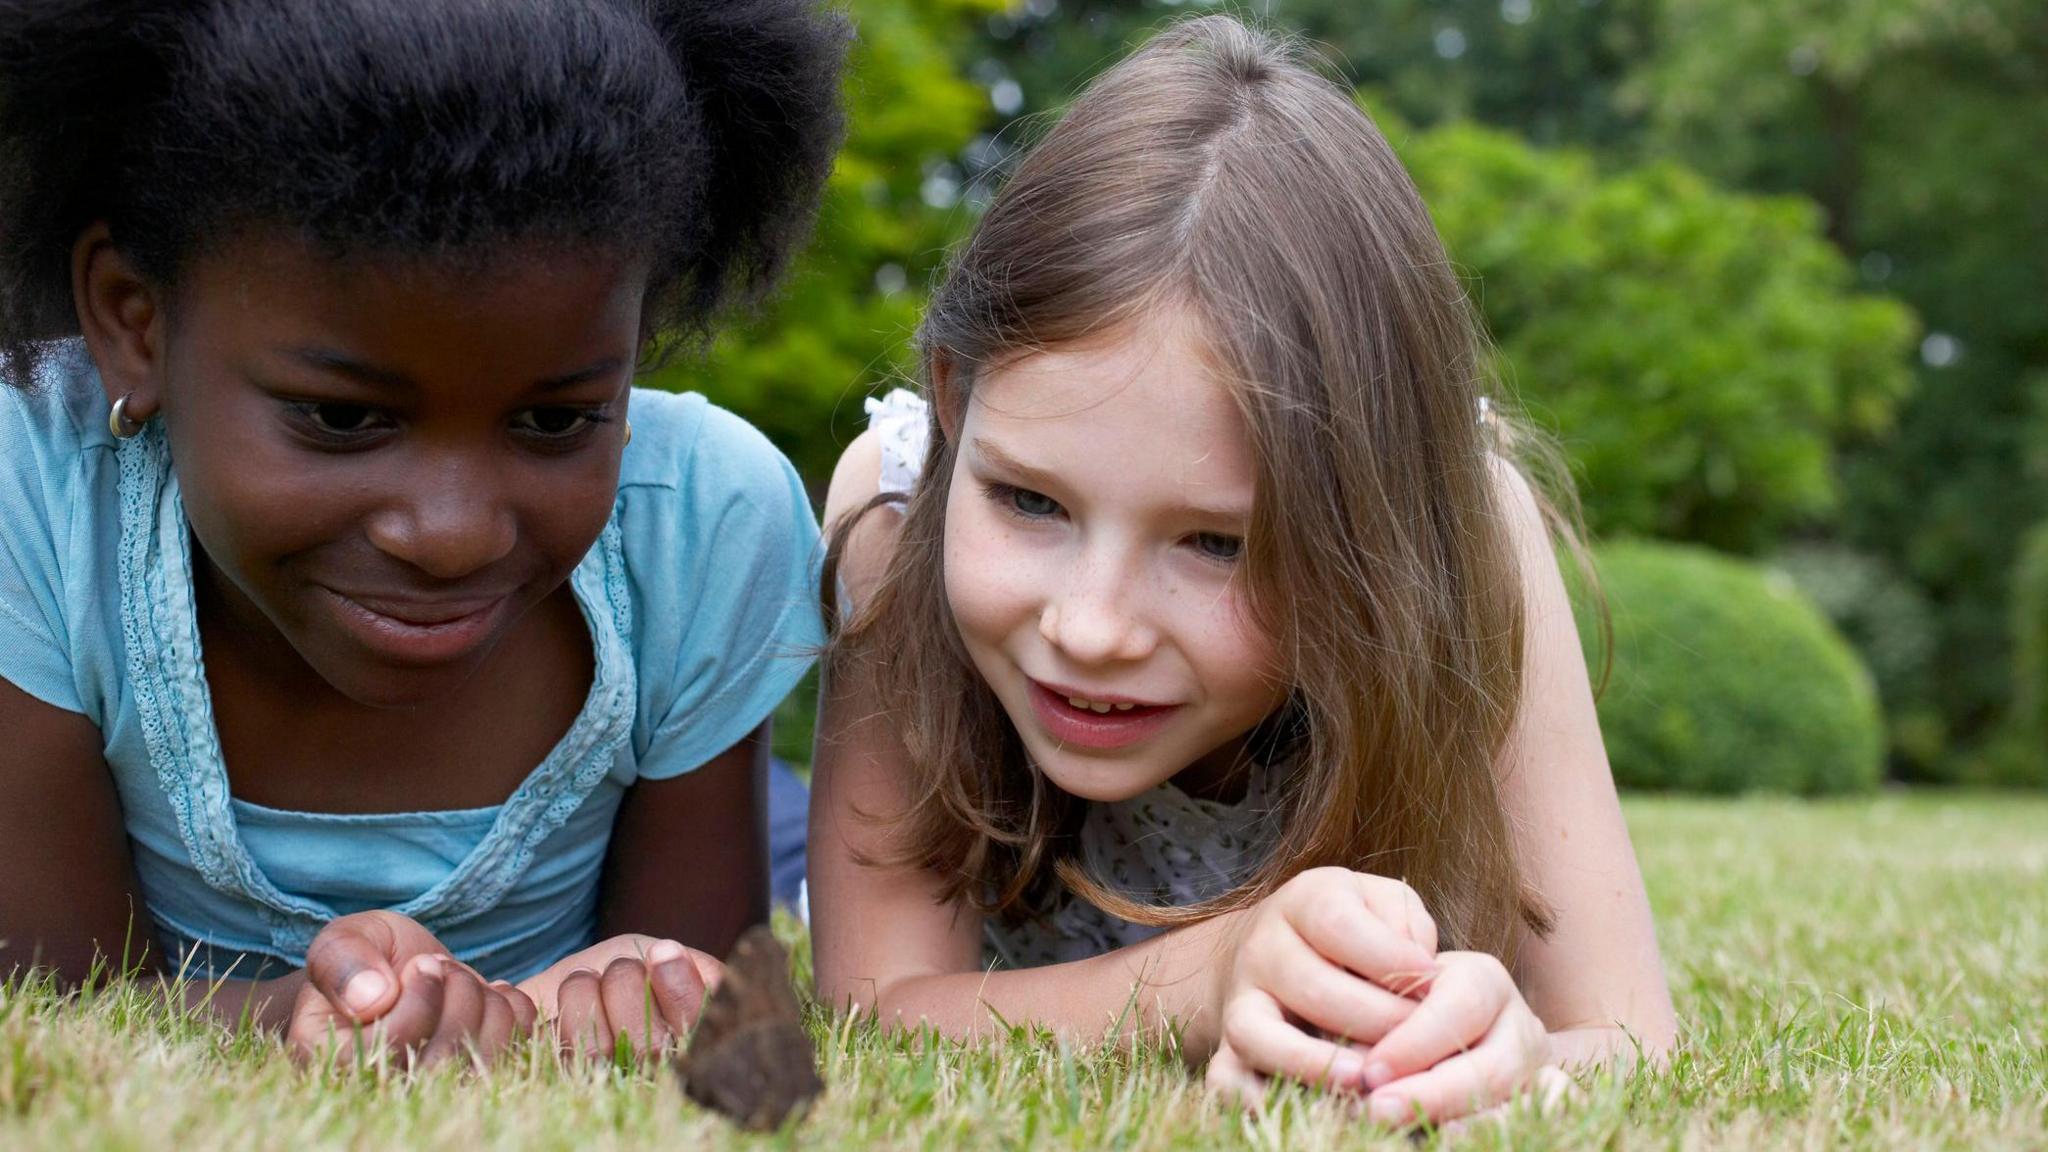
942 376
122 319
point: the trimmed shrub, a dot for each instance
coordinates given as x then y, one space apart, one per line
1892 626
2030 636
1726 678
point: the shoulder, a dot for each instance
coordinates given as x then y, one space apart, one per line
1521 510
54 445
706 456
56 414
870 532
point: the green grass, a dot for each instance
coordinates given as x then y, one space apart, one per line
1870 973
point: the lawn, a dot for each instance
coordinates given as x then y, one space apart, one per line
1870 973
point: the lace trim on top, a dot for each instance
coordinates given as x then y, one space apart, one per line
175 707
902 423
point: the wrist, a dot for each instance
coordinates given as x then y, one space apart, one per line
265 1004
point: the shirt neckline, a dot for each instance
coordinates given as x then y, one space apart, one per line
160 628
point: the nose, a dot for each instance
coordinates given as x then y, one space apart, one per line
1098 617
448 521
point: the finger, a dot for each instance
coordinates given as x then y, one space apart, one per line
1462 1085
628 994
1342 1005
1228 1077
1255 1027
350 963
1351 934
411 1021
498 1028
579 1012
1464 999
1400 908
679 986
710 969
524 1011
1551 1091
462 1016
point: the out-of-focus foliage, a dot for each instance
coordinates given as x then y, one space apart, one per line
1702 352
2030 642
1726 678
842 324
1917 125
1892 625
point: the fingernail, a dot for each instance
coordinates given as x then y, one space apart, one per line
1348 1068
1388 1108
665 951
428 966
1377 1073
363 990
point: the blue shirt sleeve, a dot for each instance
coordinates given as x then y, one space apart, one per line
40 490
729 608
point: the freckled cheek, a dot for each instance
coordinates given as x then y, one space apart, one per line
993 574
1236 657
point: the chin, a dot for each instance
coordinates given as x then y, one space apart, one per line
375 685
1097 783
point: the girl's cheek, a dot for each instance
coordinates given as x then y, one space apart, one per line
991 571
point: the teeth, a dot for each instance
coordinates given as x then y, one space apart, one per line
1077 702
1097 707
1125 707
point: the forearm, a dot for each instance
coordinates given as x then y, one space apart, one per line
1612 1048
1167 981
266 1004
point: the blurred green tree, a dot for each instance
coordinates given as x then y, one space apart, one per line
1703 352
841 325
1916 124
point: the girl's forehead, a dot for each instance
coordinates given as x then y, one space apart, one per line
1145 406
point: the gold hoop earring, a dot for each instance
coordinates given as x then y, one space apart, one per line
629 433
118 422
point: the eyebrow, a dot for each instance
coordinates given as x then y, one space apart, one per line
1040 478
328 360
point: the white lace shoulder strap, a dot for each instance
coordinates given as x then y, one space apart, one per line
902 423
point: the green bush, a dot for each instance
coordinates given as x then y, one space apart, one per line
1893 628
1727 679
1703 353
2030 641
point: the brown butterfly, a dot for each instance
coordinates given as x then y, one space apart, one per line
750 1057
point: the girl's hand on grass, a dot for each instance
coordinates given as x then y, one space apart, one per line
378 980
1471 1044
1322 967
642 989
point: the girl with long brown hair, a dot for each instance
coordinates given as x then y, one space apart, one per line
1202 656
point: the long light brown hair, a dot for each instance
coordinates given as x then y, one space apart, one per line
1213 171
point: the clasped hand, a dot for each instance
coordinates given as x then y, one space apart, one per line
380 981
1336 981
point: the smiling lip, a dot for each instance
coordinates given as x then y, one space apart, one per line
1084 728
410 631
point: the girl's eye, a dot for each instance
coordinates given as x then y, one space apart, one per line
1033 503
1217 546
338 423
339 418
555 423
1022 501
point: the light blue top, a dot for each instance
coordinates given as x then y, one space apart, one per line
701 600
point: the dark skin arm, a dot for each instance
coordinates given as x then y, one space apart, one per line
69 886
689 855
688 864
